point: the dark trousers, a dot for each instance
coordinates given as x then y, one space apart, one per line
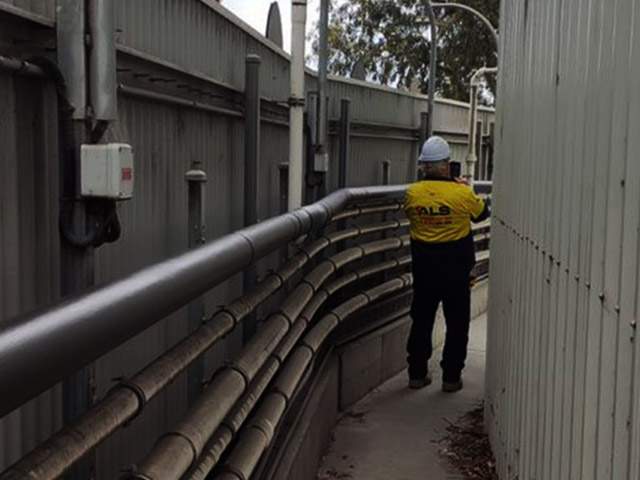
440 274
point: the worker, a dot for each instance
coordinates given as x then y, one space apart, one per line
440 210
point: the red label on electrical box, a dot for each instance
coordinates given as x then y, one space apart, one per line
127 173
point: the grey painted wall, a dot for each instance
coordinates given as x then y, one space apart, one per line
563 372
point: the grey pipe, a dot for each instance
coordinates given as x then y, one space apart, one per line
128 398
38 350
21 67
196 179
323 60
476 13
356 212
345 131
178 449
220 440
102 59
433 57
257 436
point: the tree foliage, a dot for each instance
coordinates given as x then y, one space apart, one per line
391 39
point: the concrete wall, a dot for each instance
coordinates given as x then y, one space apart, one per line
358 364
563 367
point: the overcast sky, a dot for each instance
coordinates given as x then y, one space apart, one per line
255 13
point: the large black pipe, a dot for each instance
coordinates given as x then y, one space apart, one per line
39 350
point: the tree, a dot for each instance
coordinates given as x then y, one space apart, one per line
390 38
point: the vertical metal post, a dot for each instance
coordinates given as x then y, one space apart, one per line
323 57
102 60
345 127
251 150
196 178
296 102
471 152
491 151
76 263
386 172
433 31
423 133
479 153
311 126
386 180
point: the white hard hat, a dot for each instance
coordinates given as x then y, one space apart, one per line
436 149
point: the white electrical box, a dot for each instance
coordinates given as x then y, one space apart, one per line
321 162
106 171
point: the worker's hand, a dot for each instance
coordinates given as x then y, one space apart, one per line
462 181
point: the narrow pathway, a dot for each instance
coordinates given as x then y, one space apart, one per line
393 433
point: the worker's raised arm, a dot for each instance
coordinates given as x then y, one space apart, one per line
478 210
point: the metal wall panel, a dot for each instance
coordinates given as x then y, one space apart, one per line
28 236
562 361
46 9
202 37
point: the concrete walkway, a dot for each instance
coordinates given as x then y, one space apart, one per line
393 433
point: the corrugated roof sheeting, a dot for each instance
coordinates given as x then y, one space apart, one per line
563 371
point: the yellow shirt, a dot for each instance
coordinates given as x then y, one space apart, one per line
441 211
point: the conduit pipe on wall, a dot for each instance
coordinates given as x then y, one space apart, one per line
177 450
255 439
296 102
393 207
47 346
126 400
21 67
472 157
230 427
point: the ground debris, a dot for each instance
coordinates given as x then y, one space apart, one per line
466 447
357 416
333 474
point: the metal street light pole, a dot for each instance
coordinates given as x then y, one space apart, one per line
432 65
472 157
473 11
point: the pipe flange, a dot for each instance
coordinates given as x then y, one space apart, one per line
310 285
192 446
303 344
332 262
133 474
137 391
277 274
220 310
237 368
278 391
234 471
289 320
367 296
296 102
265 426
250 242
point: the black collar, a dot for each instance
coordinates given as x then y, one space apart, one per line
438 179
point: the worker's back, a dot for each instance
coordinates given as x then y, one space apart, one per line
440 211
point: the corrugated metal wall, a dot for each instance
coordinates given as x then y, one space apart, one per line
189 50
563 372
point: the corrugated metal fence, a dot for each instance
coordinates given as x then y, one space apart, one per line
563 373
191 50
